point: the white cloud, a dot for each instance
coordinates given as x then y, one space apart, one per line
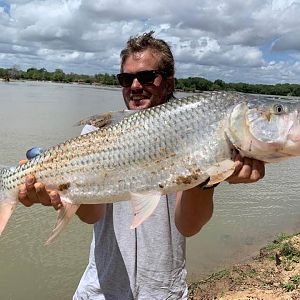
230 40
287 41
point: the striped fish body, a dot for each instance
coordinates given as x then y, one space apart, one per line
168 148
154 149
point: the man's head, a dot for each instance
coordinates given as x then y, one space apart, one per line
146 89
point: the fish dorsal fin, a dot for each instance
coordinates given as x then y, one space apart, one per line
105 119
220 171
143 205
65 214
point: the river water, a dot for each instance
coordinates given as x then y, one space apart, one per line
43 114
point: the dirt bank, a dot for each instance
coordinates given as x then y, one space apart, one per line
273 274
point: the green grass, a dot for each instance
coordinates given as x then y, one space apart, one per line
277 242
290 252
292 284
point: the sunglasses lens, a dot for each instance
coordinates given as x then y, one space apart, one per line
125 79
145 77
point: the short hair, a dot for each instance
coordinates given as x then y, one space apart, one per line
147 41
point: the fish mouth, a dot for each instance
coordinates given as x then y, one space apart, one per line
292 144
294 133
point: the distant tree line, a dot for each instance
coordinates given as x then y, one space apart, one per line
190 84
57 76
195 84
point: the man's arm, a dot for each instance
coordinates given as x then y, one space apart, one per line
194 207
91 213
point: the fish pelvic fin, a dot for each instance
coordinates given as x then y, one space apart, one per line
220 171
143 205
6 210
65 214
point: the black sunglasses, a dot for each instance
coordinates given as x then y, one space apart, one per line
144 77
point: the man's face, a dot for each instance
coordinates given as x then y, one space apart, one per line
138 96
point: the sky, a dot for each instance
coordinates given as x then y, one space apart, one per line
253 41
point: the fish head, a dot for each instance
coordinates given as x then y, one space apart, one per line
265 128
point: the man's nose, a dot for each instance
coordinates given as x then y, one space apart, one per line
136 84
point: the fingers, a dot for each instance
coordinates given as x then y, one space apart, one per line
238 164
247 170
22 162
55 200
258 170
23 196
31 192
35 192
41 194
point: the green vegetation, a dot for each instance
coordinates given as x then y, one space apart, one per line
276 243
194 84
292 284
290 252
219 275
57 76
190 84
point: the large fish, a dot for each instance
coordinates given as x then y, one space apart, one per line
164 149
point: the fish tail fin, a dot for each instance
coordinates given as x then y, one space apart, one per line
6 210
8 200
65 214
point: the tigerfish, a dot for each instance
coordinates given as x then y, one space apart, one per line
140 155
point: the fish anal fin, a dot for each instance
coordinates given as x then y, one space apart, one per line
6 210
65 214
143 205
220 171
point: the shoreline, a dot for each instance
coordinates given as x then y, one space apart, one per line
272 274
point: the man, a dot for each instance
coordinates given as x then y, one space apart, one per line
149 261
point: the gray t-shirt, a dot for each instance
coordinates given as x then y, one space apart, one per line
143 263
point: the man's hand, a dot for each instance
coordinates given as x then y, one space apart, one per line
35 192
247 170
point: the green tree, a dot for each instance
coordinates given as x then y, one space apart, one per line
58 75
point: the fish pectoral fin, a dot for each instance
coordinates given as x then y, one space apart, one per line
6 210
143 205
65 214
220 171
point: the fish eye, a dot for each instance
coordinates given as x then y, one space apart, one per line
278 109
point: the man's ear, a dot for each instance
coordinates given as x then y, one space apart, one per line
170 85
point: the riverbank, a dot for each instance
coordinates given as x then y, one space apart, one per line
274 274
